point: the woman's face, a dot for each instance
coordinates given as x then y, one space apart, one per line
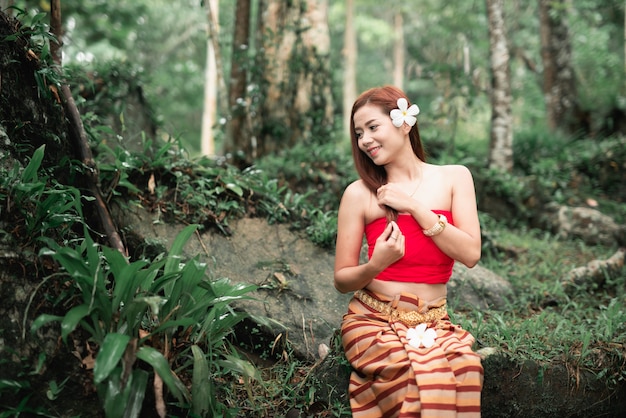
376 135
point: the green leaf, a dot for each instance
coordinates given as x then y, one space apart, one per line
110 353
124 275
240 366
43 320
30 172
15 385
72 318
174 325
138 384
115 396
235 188
173 259
154 358
200 384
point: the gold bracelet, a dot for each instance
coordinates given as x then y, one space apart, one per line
437 228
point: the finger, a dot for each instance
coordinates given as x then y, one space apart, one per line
395 231
387 232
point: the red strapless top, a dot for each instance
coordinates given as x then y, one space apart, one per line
423 261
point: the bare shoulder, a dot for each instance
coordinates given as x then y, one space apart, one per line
457 174
455 170
356 191
357 201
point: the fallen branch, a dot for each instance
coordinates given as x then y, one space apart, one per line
78 137
596 271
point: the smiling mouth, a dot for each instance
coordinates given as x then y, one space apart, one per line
373 151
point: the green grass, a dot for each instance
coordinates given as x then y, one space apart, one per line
582 327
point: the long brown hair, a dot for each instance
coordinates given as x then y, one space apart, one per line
373 175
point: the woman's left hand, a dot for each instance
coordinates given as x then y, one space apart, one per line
395 197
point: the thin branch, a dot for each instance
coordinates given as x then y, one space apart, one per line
79 138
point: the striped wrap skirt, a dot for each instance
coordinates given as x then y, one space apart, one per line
392 378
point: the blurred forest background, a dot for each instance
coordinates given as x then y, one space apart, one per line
201 111
439 52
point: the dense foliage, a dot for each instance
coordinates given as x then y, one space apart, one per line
90 290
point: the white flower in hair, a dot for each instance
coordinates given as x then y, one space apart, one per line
421 336
404 115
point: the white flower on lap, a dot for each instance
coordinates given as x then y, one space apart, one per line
420 336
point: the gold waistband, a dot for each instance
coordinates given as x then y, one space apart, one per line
408 318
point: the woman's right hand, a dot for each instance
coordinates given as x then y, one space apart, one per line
389 247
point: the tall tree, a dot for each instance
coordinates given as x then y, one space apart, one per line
56 27
238 104
209 112
501 135
559 84
350 52
295 78
398 50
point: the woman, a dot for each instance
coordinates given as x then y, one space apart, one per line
408 359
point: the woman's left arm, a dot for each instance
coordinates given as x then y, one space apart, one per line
461 241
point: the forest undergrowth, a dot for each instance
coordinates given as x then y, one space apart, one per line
582 327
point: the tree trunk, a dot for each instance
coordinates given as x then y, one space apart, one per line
295 76
350 48
398 51
559 84
501 142
238 104
209 112
56 27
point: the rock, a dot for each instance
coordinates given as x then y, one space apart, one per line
587 224
595 272
294 276
477 288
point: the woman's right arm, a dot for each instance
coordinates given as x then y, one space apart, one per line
349 274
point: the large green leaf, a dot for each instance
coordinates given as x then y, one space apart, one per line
154 358
30 172
240 366
176 249
174 325
139 381
109 355
42 320
201 392
72 318
115 396
124 275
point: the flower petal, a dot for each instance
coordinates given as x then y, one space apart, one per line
410 120
411 333
396 113
413 110
398 122
402 104
428 341
421 328
415 342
